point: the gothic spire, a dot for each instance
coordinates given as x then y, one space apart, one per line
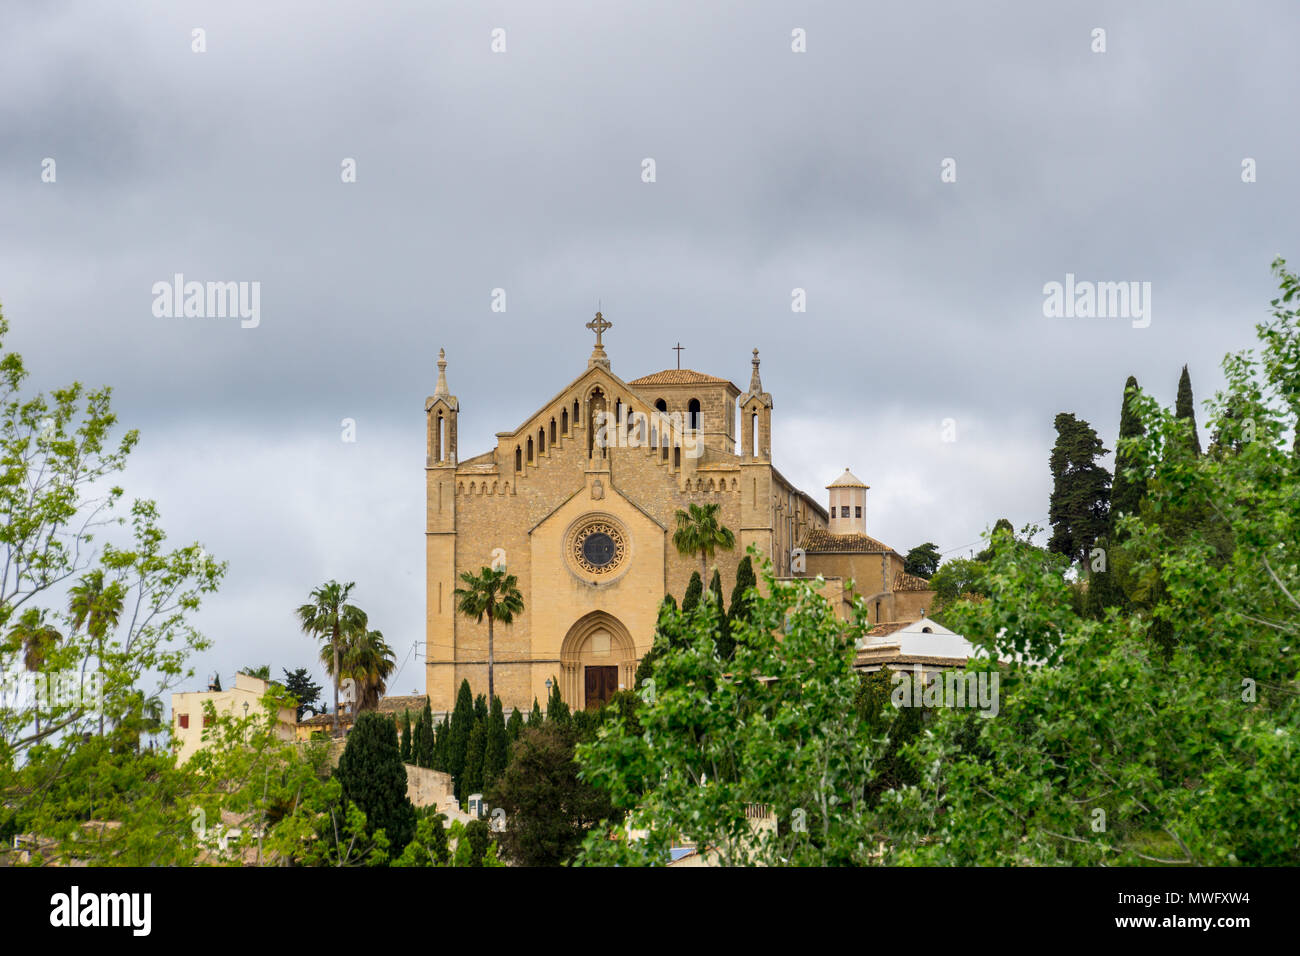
441 390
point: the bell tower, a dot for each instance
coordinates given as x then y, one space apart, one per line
441 409
756 419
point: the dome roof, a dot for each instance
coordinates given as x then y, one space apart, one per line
848 480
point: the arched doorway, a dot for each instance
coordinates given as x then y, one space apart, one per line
597 659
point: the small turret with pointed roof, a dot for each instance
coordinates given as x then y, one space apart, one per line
848 504
756 418
441 409
440 390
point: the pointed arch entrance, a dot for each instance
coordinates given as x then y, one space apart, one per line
597 659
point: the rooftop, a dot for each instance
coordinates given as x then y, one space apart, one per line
821 540
680 376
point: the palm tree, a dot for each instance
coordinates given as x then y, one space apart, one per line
493 593
97 607
698 530
328 617
367 659
36 638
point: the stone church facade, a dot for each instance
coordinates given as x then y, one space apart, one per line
579 503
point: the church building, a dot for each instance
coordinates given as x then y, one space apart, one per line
579 502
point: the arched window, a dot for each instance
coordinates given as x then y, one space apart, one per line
439 438
753 432
541 440
661 405
575 411
564 421
519 459
677 456
530 451
552 431
693 416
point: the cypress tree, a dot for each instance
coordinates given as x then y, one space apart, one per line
723 641
1001 526
406 736
556 709
515 725
442 745
1186 409
742 604
481 708
372 776
417 742
1126 492
462 723
535 715
497 749
694 590
428 740
1105 589
1080 503
472 779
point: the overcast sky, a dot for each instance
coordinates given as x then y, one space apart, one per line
522 170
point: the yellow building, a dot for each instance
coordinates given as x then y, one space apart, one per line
244 699
579 500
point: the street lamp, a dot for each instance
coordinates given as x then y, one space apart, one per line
548 693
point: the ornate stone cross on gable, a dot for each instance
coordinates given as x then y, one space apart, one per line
599 325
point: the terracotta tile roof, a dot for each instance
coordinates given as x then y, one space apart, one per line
325 720
889 627
848 480
819 539
911 582
867 658
680 376
395 705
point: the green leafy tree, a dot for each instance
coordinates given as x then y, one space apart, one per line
373 778
780 731
923 560
298 683
645 669
474 844
699 531
493 594
64 536
261 673
548 809
1001 526
1079 506
429 846
1122 751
